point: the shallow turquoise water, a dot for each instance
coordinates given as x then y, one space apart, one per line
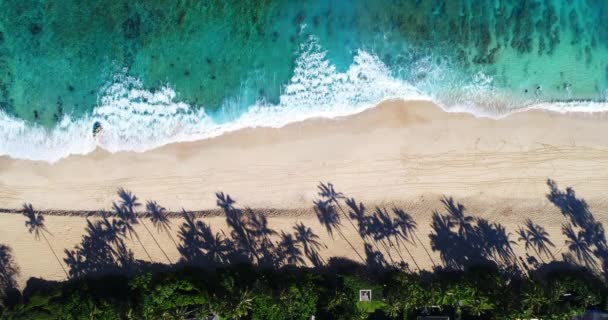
153 72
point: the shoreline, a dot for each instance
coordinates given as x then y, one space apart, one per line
583 108
423 141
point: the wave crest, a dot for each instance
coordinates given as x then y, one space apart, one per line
136 119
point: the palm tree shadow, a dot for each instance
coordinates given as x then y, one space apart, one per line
9 271
250 240
310 243
585 236
539 239
463 240
374 259
101 251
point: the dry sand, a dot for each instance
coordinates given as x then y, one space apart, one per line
400 153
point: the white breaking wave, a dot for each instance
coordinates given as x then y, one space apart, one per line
135 119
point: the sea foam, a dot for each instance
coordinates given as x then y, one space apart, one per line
136 119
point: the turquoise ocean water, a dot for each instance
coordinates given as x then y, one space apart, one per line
159 71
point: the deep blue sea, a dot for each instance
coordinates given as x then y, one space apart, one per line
159 71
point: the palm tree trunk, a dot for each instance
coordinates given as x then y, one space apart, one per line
398 249
157 244
558 250
171 237
351 246
387 251
425 250
363 237
372 241
310 253
347 217
409 253
538 254
55 254
143 247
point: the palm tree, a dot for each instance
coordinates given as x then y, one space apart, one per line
129 202
539 238
105 234
214 245
310 243
237 220
578 244
533 299
387 229
112 230
525 237
190 242
9 270
408 226
35 225
401 228
243 306
328 217
327 192
443 239
290 249
260 234
503 242
159 218
376 229
456 213
224 201
357 212
125 211
76 262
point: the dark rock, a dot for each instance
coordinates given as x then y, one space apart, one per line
35 29
261 32
180 17
4 106
541 46
97 128
131 27
299 18
316 21
70 88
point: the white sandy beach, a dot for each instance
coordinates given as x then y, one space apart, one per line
399 153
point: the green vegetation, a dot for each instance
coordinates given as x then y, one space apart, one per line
247 292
